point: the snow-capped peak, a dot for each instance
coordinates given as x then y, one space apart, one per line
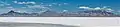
97 8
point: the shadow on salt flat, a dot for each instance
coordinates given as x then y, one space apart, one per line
13 24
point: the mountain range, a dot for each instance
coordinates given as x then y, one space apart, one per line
49 13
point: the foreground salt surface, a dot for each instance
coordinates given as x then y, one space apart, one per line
16 24
79 21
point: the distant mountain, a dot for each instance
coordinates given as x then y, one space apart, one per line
49 13
96 13
13 13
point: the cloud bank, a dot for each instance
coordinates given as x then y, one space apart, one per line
97 8
24 2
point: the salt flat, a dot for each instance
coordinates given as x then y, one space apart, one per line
14 24
76 21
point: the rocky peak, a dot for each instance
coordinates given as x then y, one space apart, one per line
11 11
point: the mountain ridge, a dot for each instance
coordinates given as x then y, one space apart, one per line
49 13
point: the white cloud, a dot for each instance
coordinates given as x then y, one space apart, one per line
109 9
49 5
26 3
59 4
15 1
84 7
23 2
31 3
8 4
2 2
20 3
38 6
65 10
12 9
97 8
18 11
23 7
54 3
65 3
41 3
2 5
9 7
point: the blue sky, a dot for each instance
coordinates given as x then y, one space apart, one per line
115 4
32 6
